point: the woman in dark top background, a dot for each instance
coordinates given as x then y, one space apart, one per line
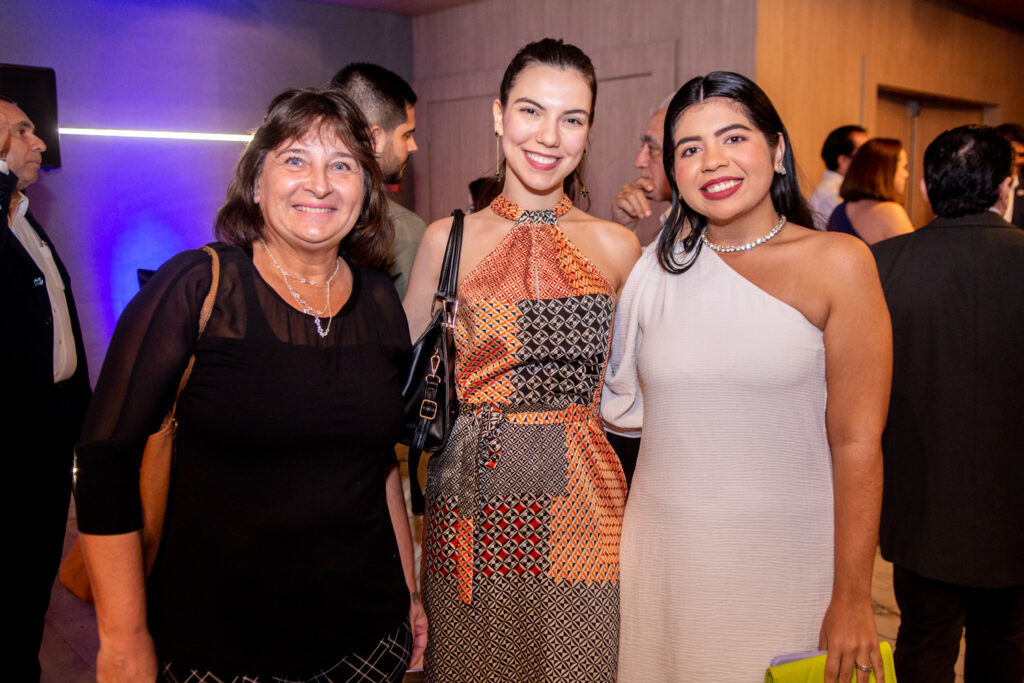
286 551
877 177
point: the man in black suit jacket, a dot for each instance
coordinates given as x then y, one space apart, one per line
953 500
45 388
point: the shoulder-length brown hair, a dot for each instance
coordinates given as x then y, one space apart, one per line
293 115
872 172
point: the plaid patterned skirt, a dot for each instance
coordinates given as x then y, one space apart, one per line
384 662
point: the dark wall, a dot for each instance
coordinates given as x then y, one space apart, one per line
121 204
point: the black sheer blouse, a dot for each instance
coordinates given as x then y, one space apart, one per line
278 554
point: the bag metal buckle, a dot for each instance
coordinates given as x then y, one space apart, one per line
451 309
428 409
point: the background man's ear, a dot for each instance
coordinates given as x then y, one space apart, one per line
379 139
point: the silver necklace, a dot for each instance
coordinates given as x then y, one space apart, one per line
306 308
728 249
311 283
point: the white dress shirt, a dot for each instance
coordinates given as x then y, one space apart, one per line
825 198
65 357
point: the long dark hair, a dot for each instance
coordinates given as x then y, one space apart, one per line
556 53
292 115
785 190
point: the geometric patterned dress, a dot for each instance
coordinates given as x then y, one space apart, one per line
524 506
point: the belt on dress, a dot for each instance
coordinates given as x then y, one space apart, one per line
489 421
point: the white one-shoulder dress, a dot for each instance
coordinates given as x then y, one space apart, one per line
727 543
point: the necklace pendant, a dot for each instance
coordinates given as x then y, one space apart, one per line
303 304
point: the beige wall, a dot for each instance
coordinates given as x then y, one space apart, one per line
822 63
711 34
641 51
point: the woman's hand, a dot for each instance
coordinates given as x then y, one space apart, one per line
129 661
418 624
403 536
848 633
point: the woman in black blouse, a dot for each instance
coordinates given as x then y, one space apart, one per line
286 551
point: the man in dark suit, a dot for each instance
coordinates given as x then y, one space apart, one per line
953 500
45 387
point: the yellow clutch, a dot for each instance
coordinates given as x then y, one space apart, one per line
811 669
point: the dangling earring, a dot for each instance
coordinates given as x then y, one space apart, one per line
584 194
781 170
497 156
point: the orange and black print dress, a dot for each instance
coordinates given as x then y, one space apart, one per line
524 506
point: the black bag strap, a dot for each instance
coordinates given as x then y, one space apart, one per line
446 284
446 290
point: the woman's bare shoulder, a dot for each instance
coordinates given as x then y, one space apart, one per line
840 258
886 209
608 234
611 246
437 232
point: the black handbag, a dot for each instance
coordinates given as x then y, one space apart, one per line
428 386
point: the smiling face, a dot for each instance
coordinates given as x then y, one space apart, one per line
724 166
310 192
25 155
544 130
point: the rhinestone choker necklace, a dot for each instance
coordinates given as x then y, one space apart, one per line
728 249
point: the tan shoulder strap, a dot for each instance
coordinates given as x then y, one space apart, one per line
204 317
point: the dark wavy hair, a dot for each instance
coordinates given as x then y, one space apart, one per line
293 115
963 169
872 172
785 189
556 53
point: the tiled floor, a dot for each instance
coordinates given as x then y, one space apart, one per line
70 642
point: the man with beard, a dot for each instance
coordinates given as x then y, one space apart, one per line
388 104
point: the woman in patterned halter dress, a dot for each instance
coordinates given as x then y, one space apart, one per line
524 506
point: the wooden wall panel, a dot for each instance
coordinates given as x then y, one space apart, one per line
823 62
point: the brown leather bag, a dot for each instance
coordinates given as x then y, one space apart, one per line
154 474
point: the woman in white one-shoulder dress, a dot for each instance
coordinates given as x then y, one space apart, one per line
755 355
